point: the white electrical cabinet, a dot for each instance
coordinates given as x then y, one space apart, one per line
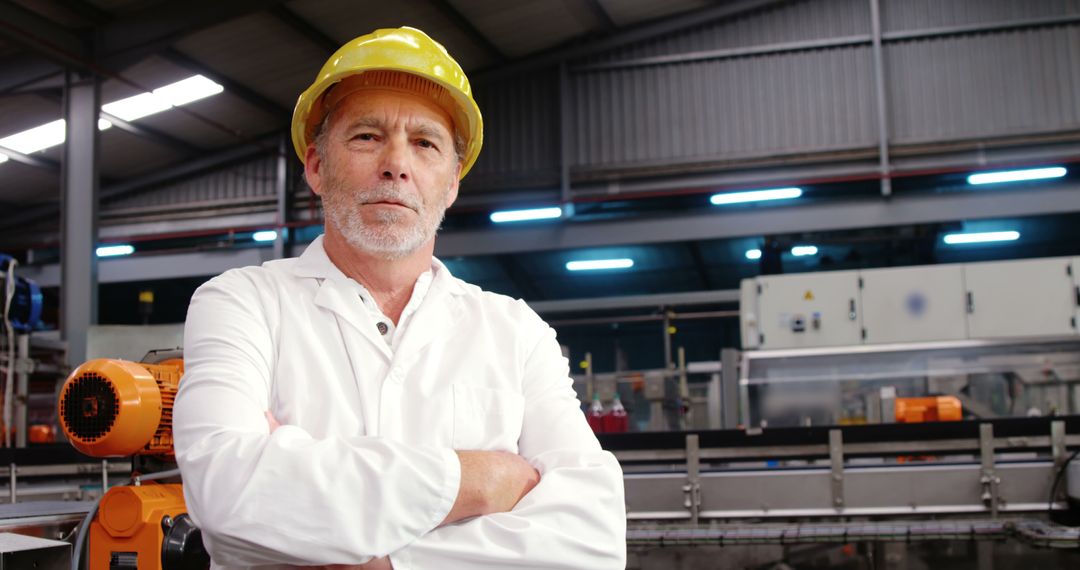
809 310
1032 297
913 304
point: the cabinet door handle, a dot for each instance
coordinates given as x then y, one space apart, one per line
1077 289
851 309
970 302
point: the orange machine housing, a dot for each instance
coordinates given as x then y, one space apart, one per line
932 409
131 524
115 408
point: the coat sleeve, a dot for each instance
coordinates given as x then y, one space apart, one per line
286 497
574 518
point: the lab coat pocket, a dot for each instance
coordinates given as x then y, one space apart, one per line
487 419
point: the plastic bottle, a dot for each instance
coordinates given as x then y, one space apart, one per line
595 415
616 420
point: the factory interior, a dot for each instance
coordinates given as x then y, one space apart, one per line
814 264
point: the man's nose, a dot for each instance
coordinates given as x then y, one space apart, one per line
395 161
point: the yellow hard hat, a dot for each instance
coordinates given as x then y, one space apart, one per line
402 50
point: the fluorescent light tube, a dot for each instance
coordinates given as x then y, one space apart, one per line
755 196
136 107
114 250
35 139
265 235
981 237
526 215
801 250
1016 175
597 264
163 98
753 254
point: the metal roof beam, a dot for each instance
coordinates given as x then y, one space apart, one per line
42 35
627 36
153 135
143 131
601 15
204 163
35 161
120 43
305 28
827 215
466 26
155 28
232 86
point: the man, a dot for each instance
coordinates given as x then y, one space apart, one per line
359 405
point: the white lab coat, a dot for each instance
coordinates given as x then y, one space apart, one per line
362 465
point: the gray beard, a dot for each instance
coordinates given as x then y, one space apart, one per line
385 238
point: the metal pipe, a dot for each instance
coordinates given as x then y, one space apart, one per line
22 383
882 102
11 488
667 340
646 318
590 380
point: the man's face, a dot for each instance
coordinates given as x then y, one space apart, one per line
386 171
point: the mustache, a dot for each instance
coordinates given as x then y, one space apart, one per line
389 193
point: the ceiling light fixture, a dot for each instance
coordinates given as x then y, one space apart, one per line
755 196
115 250
598 264
264 235
981 237
1016 175
163 98
503 216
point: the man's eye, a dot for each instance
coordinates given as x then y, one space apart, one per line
424 143
365 137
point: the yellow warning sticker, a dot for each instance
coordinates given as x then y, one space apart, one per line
809 296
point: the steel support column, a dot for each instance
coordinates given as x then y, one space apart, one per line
882 100
78 214
283 242
565 126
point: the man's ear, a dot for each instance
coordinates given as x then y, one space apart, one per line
452 195
312 168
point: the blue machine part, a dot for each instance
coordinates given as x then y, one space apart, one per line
25 310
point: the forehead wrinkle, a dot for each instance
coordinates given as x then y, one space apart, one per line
417 126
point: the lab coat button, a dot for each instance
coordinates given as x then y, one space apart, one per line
382 327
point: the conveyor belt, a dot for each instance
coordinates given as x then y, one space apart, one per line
819 435
1033 531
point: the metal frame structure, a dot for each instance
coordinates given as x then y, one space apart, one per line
1000 472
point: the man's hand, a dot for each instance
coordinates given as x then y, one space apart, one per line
373 564
491 482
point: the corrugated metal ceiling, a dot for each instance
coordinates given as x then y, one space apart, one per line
272 53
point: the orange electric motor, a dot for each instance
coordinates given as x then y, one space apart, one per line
932 409
115 408
145 528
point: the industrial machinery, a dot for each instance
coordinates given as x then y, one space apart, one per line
116 408
762 498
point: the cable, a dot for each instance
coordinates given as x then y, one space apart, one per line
80 538
1057 480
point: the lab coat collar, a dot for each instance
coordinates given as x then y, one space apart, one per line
315 263
436 314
